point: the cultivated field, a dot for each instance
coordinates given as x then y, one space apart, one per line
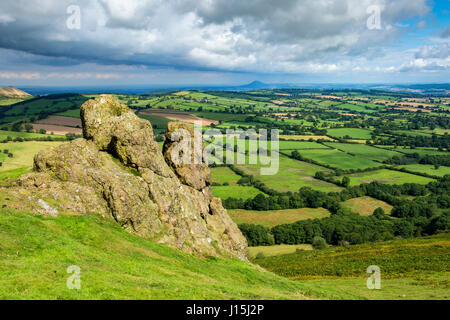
269 251
338 159
355 133
272 218
364 151
178 116
59 125
238 192
291 176
427 168
365 206
386 176
305 137
23 153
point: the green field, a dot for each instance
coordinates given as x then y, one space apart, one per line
159 123
410 269
364 151
49 104
365 206
73 113
272 218
221 175
338 159
355 133
4 101
22 134
36 252
276 250
291 176
421 151
224 175
295 145
238 192
427 168
23 153
386 176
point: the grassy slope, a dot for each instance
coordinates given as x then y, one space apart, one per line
410 269
35 252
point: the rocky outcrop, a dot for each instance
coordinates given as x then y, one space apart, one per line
118 171
188 166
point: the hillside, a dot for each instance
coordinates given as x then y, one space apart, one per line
410 268
35 252
12 92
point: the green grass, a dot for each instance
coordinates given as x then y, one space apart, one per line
295 145
365 206
386 176
412 133
159 123
224 175
23 153
36 252
355 133
235 191
73 113
22 134
338 159
291 176
273 218
421 151
427 168
49 104
416 268
13 173
4 101
276 250
358 107
364 151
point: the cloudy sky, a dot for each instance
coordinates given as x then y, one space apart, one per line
217 42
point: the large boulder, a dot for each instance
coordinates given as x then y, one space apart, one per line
182 144
117 170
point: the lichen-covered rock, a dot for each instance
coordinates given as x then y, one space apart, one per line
113 127
183 151
118 171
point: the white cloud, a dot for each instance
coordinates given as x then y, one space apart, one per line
260 36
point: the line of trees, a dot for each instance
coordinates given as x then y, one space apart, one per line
426 214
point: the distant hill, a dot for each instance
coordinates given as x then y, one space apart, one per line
256 85
12 92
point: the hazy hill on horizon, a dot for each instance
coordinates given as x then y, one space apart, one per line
12 92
